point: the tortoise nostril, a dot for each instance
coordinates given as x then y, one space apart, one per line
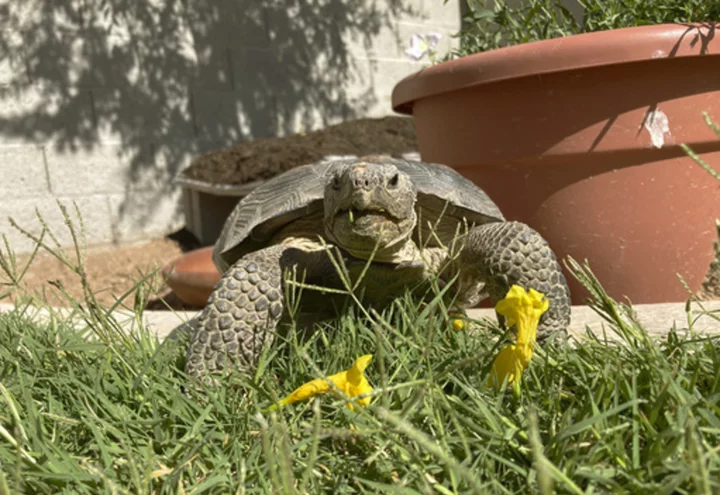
360 182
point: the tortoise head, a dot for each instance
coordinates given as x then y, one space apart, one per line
369 202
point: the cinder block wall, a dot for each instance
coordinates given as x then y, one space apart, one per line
103 103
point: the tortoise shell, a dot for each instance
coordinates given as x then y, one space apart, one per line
299 192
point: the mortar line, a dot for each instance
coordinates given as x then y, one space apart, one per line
114 227
46 169
231 69
193 113
266 24
93 113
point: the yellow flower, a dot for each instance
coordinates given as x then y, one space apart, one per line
457 320
352 382
523 309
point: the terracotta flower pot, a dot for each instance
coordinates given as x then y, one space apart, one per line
192 276
579 137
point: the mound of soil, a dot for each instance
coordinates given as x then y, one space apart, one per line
268 157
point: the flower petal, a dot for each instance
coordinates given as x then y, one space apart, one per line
351 382
506 366
523 309
418 47
362 362
415 53
357 382
432 39
309 389
356 372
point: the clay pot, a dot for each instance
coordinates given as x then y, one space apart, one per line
579 137
192 276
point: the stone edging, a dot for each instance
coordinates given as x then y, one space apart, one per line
658 319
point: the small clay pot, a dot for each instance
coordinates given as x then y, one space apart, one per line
579 137
192 276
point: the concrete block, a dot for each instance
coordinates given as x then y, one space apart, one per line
217 24
147 171
261 80
313 96
303 117
316 52
211 69
306 93
18 116
405 10
94 211
119 168
378 78
216 116
13 70
22 169
41 113
100 170
153 66
138 116
88 45
67 59
172 156
144 215
36 14
438 13
191 59
381 40
66 118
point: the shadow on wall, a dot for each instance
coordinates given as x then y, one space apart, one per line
167 79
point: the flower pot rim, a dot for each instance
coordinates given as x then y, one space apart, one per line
579 51
239 190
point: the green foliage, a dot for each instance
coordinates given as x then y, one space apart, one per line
489 27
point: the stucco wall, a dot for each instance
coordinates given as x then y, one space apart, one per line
103 103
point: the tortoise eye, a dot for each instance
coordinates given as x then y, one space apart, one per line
336 183
393 182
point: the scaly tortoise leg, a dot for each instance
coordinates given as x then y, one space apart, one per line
507 253
240 316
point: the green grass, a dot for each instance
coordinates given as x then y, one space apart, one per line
109 414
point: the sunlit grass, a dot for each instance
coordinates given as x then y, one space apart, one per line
110 414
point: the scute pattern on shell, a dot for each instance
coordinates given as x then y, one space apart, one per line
299 192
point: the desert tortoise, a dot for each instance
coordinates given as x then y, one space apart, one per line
405 214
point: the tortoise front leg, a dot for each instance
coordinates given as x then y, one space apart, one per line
506 253
240 316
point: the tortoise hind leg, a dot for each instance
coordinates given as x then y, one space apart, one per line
506 253
240 316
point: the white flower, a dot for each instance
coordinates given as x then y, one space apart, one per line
421 45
